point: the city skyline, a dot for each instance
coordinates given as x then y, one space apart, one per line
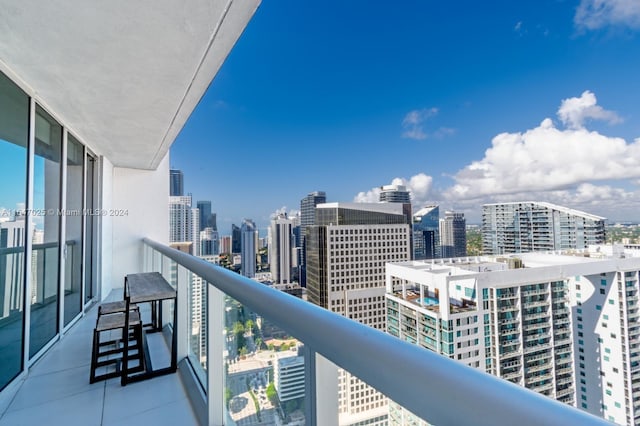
464 106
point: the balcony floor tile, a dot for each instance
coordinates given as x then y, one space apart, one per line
57 390
82 409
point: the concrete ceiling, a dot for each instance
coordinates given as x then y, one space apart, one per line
124 76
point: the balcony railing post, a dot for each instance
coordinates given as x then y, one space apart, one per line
147 258
185 280
216 378
310 407
322 376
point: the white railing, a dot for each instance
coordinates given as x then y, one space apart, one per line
440 390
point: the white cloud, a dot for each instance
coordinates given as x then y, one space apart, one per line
595 14
574 112
412 123
371 196
518 26
419 186
283 210
546 158
444 132
415 132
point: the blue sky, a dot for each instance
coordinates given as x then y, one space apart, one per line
465 102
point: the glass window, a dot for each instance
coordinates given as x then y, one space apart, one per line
14 126
46 220
72 250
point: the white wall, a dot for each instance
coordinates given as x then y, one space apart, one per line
142 196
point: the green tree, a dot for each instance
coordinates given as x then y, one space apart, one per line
249 325
238 332
272 394
238 328
227 396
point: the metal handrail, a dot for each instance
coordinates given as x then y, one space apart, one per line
435 388
43 246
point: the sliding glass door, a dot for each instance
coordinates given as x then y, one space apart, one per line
14 136
47 249
91 228
72 246
43 298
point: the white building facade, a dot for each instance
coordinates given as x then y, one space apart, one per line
564 325
184 222
527 226
288 375
281 249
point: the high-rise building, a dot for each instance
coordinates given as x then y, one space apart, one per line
207 219
347 249
213 221
235 239
225 244
248 248
426 233
176 183
397 194
281 241
453 235
394 194
308 208
184 222
562 324
209 242
288 375
522 227
307 218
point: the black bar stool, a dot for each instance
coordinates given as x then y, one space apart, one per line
110 352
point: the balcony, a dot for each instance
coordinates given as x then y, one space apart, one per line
57 390
512 376
536 325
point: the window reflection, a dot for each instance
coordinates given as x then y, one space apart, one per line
73 237
46 205
14 123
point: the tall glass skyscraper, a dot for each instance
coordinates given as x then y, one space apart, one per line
176 183
453 235
248 248
235 239
307 218
207 219
426 233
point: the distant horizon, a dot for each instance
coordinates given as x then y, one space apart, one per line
262 230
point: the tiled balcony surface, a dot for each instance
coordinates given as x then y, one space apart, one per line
57 390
